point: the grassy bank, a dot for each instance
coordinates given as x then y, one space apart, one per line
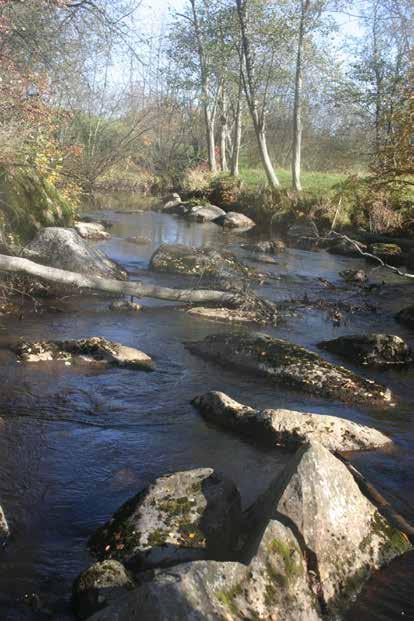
316 183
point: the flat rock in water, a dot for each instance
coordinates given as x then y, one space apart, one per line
291 365
205 261
92 349
99 586
234 220
274 246
205 213
342 531
91 230
185 516
357 277
4 528
286 427
222 314
66 250
125 305
370 349
406 316
274 585
139 240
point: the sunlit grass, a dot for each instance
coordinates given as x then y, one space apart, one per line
315 182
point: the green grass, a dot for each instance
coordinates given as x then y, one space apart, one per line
317 183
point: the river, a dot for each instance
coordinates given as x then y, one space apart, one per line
75 444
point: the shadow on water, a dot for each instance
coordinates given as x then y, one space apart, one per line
74 445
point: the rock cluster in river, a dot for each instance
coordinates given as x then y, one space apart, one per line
291 365
91 349
207 213
379 350
282 427
309 542
65 249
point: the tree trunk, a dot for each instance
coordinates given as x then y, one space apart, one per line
251 96
137 289
223 132
211 141
237 135
297 107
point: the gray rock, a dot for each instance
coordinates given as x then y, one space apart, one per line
125 305
342 531
357 277
274 246
289 364
205 213
234 220
304 229
274 585
4 528
286 427
223 314
99 586
180 259
346 249
172 201
91 230
66 250
370 349
406 316
89 350
185 516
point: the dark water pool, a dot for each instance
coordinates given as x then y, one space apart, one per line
74 445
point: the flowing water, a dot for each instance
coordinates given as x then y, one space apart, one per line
75 444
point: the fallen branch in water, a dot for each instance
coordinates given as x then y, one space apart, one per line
109 285
369 255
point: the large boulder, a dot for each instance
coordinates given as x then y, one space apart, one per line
185 516
4 528
66 250
287 427
99 586
205 213
291 365
91 230
235 220
344 535
90 350
406 316
274 585
370 349
206 261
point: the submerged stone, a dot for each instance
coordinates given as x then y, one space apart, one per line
185 516
291 365
406 316
282 427
370 349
